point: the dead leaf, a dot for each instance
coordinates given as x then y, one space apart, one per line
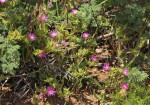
73 100
94 71
5 88
90 98
123 92
102 76
41 103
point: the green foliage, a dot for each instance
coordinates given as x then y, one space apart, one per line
137 76
137 95
130 23
10 56
89 14
132 16
66 66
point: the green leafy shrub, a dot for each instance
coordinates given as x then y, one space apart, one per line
136 95
53 46
10 56
137 76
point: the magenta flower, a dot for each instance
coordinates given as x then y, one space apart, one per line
53 33
125 72
50 91
106 66
74 11
50 4
41 96
94 58
32 37
125 86
85 35
43 17
3 1
56 44
65 43
42 55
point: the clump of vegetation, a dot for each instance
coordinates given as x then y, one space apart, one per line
64 47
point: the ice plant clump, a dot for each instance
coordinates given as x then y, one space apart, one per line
43 17
53 33
125 72
50 91
65 42
41 96
125 86
32 37
74 11
85 35
106 66
42 55
94 58
3 1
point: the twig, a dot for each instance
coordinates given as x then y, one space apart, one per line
106 35
5 81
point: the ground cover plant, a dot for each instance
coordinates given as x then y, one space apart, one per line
74 52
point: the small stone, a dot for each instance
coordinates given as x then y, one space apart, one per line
98 50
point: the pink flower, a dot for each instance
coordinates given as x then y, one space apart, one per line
94 58
125 72
32 37
125 86
56 44
42 55
3 1
50 91
41 96
74 11
85 35
106 66
53 33
43 17
50 4
65 43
